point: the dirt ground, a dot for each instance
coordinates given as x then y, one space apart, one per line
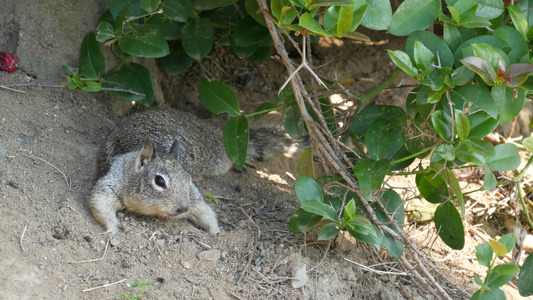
49 140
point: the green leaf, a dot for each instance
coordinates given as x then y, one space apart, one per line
263 109
235 137
319 3
91 61
484 254
218 98
483 148
418 135
446 151
150 5
494 294
481 67
514 39
394 206
328 231
508 106
178 10
505 159
316 207
489 181
105 32
497 248
249 32
413 15
252 8
423 58
489 9
462 76
362 121
308 189
148 43
490 54
508 240
197 37
403 61
500 275
304 222
462 125
466 154
525 278
518 73
451 36
481 124
450 225
287 15
370 175
211 197
131 77
309 23
306 165
383 139
441 52
349 211
442 122
378 15
479 95
177 62
519 20
201 5
171 30
475 22
478 281
432 187
463 49
528 144
92 86
375 239
345 20
293 122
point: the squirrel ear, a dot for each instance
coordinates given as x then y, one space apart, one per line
147 153
174 148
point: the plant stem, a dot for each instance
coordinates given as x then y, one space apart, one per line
410 156
378 89
524 206
266 111
523 172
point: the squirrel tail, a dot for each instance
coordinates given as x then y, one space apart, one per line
269 142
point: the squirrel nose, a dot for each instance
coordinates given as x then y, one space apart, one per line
183 209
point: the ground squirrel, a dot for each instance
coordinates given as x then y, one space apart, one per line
152 158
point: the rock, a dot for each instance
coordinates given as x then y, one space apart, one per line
185 264
528 243
114 242
88 238
125 264
209 255
299 276
160 242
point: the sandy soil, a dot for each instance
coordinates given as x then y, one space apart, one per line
49 141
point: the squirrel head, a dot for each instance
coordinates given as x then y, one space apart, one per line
160 182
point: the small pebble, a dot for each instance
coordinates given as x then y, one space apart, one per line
160 279
22 139
125 264
185 264
209 255
88 238
114 242
299 276
161 242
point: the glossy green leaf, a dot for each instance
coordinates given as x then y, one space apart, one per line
178 10
489 9
483 148
490 54
518 73
478 281
528 144
441 52
235 137
446 151
328 231
449 225
316 207
115 6
263 109
177 62
218 98
466 154
105 32
451 36
479 95
481 67
150 5
481 124
505 159
344 22
462 52
525 278
304 221
378 15
349 210
319 3
201 5
442 122
500 275
92 86
394 206
362 121
413 15
308 189
375 239
462 76
514 39
130 77
462 125
287 15
249 32
498 248
403 61
519 20
423 58
362 225
370 175
293 122
149 43
252 8
484 254
383 139
91 61
508 106
489 180
197 37
508 240
475 22
171 30
306 166
309 23
495 294
432 187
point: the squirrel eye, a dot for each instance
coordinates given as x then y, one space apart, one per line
160 181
